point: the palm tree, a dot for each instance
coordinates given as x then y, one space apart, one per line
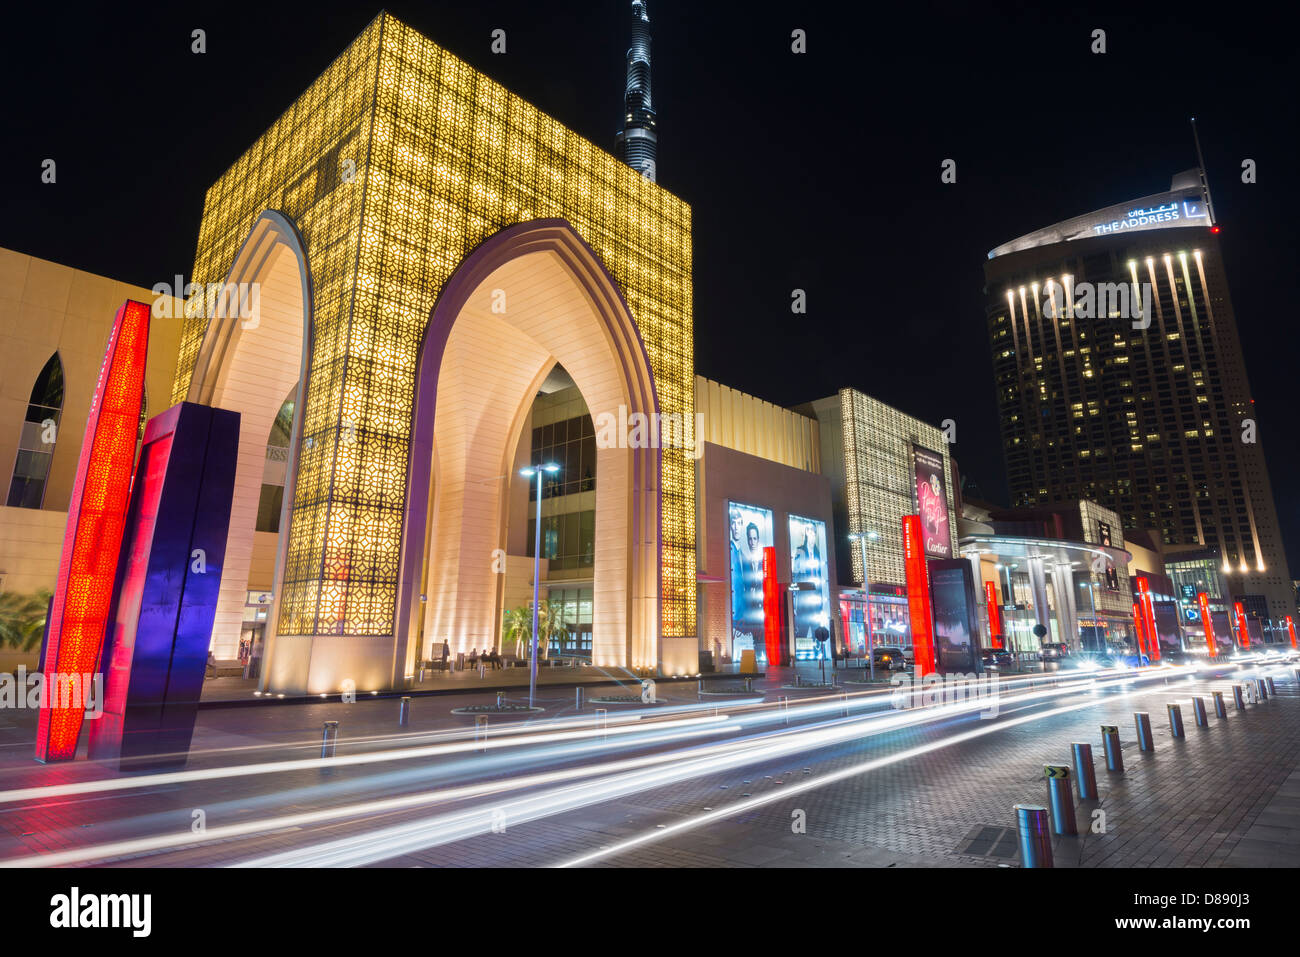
550 624
519 626
22 619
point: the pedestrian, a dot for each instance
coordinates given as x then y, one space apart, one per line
446 653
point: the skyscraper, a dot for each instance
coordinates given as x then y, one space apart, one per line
1120 379
636 142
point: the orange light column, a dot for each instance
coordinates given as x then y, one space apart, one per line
83 592
918 595
1290 627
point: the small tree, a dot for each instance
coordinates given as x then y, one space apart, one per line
550 624
22 619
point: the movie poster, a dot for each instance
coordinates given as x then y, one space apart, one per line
932 503
750 533
808 566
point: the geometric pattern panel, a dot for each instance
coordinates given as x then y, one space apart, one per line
395 164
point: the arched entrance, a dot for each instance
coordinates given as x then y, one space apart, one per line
530 297
255 352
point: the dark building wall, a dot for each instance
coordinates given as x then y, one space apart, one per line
724 475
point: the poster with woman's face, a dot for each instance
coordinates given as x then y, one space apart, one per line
750 531
932 502
808 566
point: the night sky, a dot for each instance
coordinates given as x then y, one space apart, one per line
817 171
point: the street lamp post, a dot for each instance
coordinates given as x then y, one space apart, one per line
866 590
537 569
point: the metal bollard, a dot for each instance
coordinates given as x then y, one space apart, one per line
1198 708
1176 719
577 698
1261 692
329 738
1084 771
1297 675
603 714
749 684
1272 688
1110 744
1058 789
785 707
1035 841
404 711
1220 709
1143 722
1238 697
844 705
480 730
501 700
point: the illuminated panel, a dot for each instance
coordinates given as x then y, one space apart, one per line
918 595
156 648
83 592
771 608
1149 617
1203 600
396 163
995 618
1243 634
1290 627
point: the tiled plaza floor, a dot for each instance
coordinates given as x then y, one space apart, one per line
1225 795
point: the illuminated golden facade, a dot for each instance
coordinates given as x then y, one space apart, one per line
395 165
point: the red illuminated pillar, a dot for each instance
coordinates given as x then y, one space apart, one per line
918 595
1141 636
995 619
1204 601
1290 627
1149 616
1243 634
101 492
771 608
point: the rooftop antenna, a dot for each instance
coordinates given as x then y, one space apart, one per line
1200 168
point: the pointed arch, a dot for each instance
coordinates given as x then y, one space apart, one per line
31 468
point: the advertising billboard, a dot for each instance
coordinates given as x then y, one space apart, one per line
1168 626
808 566
750 532
932 502
956 617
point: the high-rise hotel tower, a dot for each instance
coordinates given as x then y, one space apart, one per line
1120 379
637 141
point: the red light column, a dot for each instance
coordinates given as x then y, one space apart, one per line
918 595
995 619
771 608
1149 616
1204 601
1137 624
1290 627
1243 634
101 492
